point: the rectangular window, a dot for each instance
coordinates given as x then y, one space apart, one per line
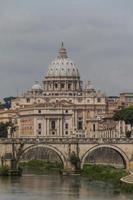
66 132
98 100
80 125
52 124
28 100
69 86
62 85
56 85
94 127
66 125
39 125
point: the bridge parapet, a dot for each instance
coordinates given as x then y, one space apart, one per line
66 140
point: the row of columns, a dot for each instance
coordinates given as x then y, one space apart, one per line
75 85
46 130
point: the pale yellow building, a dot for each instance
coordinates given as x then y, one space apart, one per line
7 115
62 106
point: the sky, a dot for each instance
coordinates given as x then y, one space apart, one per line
98 36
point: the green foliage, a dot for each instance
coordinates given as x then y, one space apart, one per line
8 99
7 102
128 134
74 159
125 114
104 173
108 174
125 187
4 128
4 171
41 166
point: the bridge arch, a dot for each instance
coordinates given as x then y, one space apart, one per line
49 147
119 151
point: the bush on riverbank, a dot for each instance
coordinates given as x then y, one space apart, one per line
41 166
108 174
103 173
4 171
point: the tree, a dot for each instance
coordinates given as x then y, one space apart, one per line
75 161
4 129
7 101
125 114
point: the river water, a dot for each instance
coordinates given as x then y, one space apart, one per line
55 187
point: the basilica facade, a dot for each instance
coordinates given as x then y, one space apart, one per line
62 106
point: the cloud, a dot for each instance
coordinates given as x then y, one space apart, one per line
98 35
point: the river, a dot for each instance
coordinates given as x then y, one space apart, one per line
54 187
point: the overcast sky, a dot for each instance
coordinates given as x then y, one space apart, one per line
98 35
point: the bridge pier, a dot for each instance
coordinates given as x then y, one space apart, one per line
68 168
130 167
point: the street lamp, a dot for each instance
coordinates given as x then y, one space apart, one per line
12 129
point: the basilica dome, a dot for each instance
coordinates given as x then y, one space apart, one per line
36 86
62 66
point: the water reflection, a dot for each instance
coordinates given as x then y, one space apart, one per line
56 187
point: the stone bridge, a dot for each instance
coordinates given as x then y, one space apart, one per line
115 151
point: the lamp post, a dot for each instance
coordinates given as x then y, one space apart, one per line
77 152
13 159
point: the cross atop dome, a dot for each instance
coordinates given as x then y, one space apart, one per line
62 52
